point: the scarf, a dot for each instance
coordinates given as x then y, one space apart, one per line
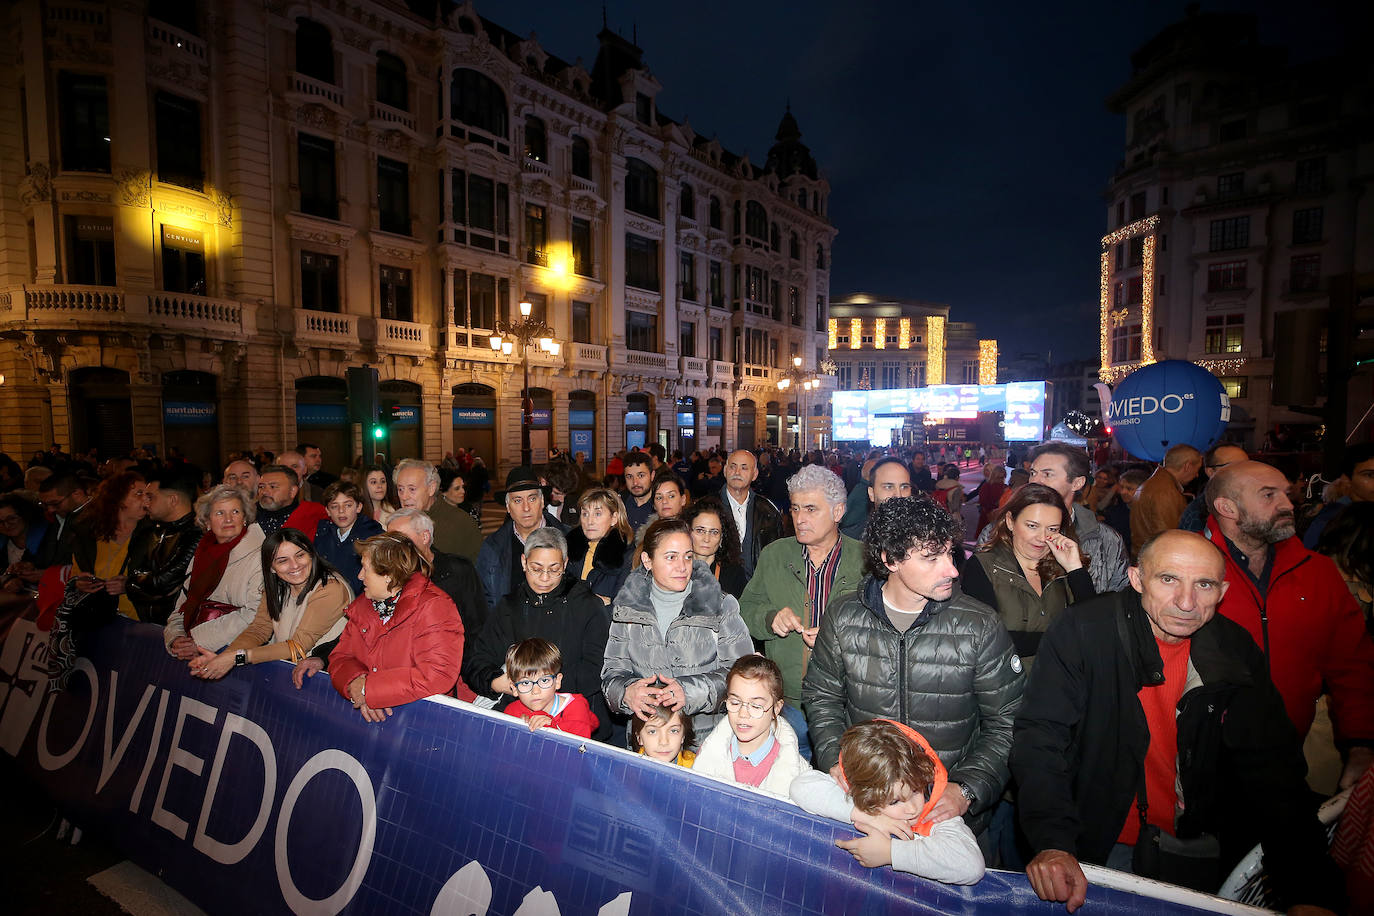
207 568
385 607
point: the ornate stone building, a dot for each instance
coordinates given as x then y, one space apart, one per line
211 210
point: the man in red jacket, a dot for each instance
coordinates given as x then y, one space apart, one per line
1296 606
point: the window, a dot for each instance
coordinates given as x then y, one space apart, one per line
774 238
536 236
392 88
1120 213
641 187
644 108
1135 290
717 286
891 375
394 295
314 51
1228 234
581 239
641 331
1311 176
1120 249
1305 273
794 247
1234 385
85 122
536 139
1307 225
475 100
820 314
715 215
641 262
582 322
393 196
844 376
482 203
717 343
315 165
1118 294
1230 185
794 309
1135 249
970 372
483 206
1225 275
177 14
183 261
687 339
90 251
319 281
687 203
539 307
1137 206
1126 343
1224 334
918 374
820 257
178 141
1232 130
581 158
482 301
756 221
687 275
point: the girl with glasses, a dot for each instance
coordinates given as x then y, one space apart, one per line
754 746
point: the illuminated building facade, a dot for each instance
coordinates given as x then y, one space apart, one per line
1237 201
211 210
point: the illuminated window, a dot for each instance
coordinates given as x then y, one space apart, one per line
1224 334
1234 385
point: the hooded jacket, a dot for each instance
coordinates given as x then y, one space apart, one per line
698 649
952 676
1081 739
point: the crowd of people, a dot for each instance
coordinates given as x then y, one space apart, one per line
1118 666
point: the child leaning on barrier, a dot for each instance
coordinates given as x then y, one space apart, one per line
889 781
754 745
535 668
666 736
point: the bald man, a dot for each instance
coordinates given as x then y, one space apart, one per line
1160 503
1151 687
1296 606
1217 457
757 520
244 475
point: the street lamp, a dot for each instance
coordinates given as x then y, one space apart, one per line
528 330
807 383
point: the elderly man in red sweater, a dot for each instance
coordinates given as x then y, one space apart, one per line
1296 606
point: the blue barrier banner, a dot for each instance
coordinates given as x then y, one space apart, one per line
250 796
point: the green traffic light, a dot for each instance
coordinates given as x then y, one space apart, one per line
378 432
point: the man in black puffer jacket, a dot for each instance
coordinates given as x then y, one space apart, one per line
907 646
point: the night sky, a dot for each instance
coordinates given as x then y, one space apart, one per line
967 144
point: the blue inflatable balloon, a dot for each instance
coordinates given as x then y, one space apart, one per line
1165 404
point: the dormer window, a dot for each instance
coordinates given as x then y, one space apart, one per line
644 109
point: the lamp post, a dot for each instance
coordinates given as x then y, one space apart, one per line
522 333
806 383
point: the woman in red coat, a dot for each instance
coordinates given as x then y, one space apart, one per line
404 638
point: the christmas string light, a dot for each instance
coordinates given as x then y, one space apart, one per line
1221 366
879 333
904 333
987 362
856 330
1105 304
834 334
1139 227
935 350
1147 301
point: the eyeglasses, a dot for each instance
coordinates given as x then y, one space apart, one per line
750 710
706 532
545 572
544 683
7 520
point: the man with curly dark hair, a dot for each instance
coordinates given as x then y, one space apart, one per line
910 647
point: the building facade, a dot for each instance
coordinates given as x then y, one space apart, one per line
211 210
1240 200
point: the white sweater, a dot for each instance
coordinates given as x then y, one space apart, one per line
713 758
241 586
949 855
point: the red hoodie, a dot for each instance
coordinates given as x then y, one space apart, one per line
1312 632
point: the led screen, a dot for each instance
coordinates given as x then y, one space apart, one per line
872 415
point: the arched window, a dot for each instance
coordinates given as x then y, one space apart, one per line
314 50
820 257
715 213
581 158
641 187
756 221
478 102
392 88
794 248
738 220
774 238
687 203
536 139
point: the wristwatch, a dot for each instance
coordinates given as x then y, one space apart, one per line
969 794
240 658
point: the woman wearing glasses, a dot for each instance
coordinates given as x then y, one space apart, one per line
716 543
674 633
552 606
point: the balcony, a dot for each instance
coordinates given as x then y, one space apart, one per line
586 356
583 184
185 312
392 117
317 90
50 305
640 360
404 338
326 329
691 367
174 39
535 167
722 371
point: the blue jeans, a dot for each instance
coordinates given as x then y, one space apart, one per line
793 716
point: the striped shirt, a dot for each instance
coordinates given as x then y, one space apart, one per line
818 582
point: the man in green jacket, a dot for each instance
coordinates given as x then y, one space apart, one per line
797 579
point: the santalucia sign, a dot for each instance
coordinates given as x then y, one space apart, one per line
250 796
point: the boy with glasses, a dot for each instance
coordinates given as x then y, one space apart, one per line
535 669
